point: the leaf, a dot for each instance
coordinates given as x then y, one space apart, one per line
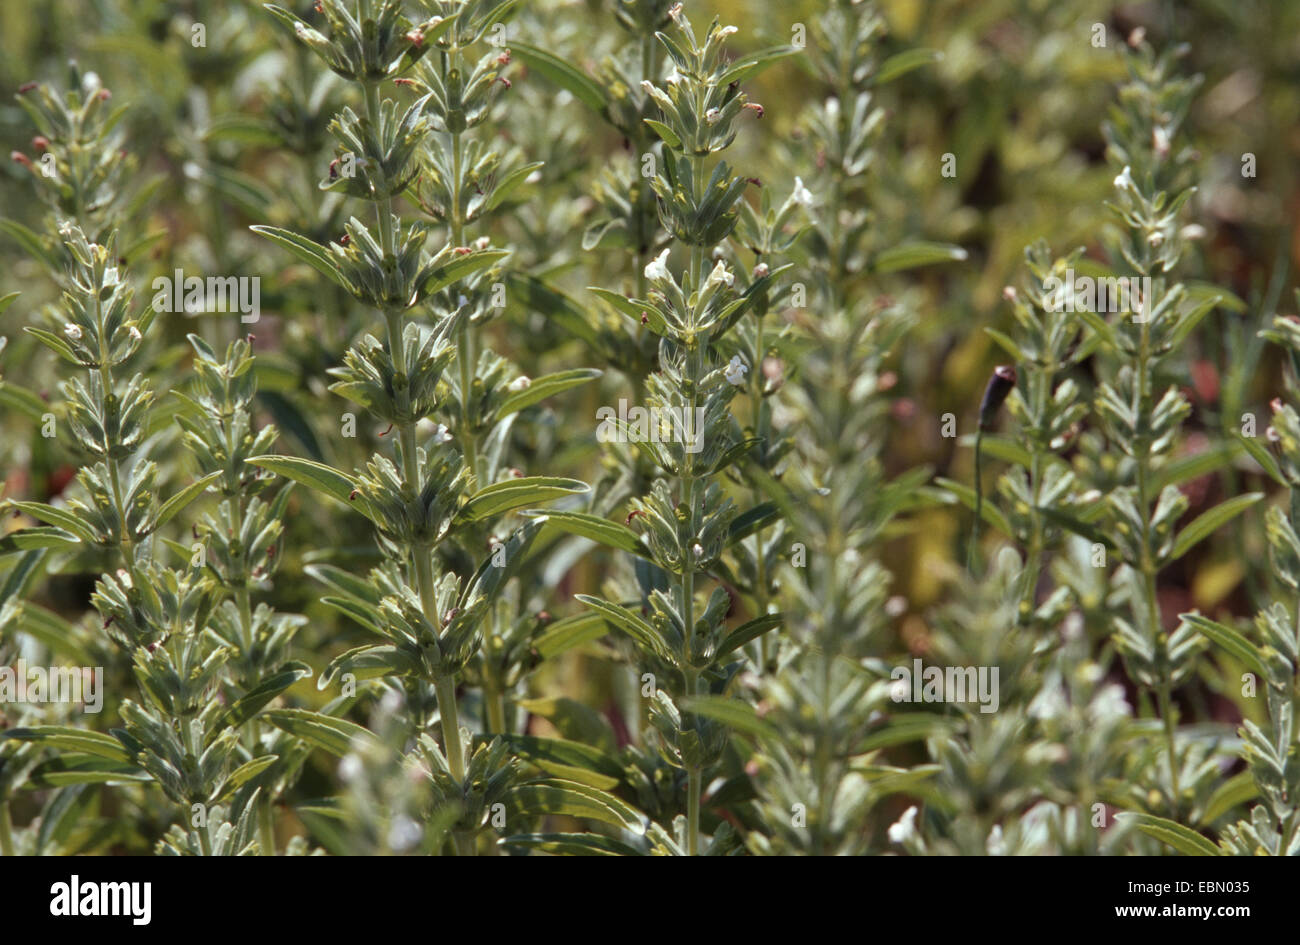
1183 839
32 243
309 251
966 495
746 67
27 538
1207 523
750 630
24 401
902 63
1230 640
664 132
318 476
66 738
629 623
534 295
511 494
732 713
571 844
751 521
7 300
546 386
245 773
913 255
564 74
458 268
323 731
83 769
564 635
506 185
181 499
1263 457
567 759
576 800
251 702
600 530
52 630
1198 464
54 515
1237 790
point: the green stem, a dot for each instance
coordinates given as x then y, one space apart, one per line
266 826
693 812
446 688
972 550
1167 713
6 830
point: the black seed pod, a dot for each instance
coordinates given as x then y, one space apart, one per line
999 386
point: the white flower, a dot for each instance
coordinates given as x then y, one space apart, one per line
404 834
995 845
1125 179
350 769
111 277
522 382
736 371
134 333
727 31
483 242
72 331
698 550
802 195
712 116
905 829
657 269
719 276
761 270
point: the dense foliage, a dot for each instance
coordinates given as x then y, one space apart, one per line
627 427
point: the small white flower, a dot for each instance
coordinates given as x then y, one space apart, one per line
719 276
996 846
698 550
673 77
483 242
802 195
522 382
111 277
72 331
761 270
736 371
134 333
728 31
350 769
1125 179
404 834
1192 232
896 606
1160 140
712 116
657 269
905 829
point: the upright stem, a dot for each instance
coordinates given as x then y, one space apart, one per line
6 830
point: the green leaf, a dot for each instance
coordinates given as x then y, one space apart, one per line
601 530
573 799
966 495
318 476
668 136
571 844
732 713
1007 343
902 63
750 630
546 386
54 515
66 738
913 255
458 268
751 521
1262 456
1207 523
564 635
251 702
567 759
32 243
507 184
7 300
323 731
309 251
746 67
1237 790
1203 463
245 773
629 623
501 497
24 401
181 499
564 74
83 769
1234 642
1183 839
27 538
